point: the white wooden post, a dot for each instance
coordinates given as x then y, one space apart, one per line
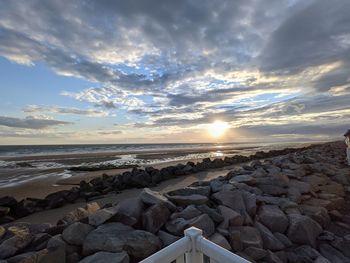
194 255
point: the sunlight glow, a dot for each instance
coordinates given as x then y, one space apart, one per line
218 128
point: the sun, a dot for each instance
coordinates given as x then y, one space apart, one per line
218 128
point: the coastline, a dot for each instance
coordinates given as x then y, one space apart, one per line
38 183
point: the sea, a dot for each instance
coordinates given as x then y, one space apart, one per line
22 163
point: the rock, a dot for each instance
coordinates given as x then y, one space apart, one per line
150 197
220 240
307 252
216 185
176 226
329 204
231 217
303 187
303 230
4 211
2 232
233 200
189 212
155 217
79 213
273 190
256 253
76 233
319 214
214 215
273 258
248 237
321 259
273 217
244 178
269 240
283 239
73 258
116 237
167 238
104 257
101 216
205 223
129 211
199 190
332 254
194 199
250 203
20 240
8 201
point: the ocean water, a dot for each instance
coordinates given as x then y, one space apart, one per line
20 164
32 150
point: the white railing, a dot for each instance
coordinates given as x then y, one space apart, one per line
191 248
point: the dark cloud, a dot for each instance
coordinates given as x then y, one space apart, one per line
29 122
63 110
312 35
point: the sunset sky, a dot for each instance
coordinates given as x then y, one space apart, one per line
144 71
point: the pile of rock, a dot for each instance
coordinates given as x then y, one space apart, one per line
11 209
285 209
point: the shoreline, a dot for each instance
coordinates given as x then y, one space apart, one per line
111 184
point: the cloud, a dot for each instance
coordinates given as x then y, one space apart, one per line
180 63
64 110
30 122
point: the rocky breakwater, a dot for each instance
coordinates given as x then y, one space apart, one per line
290 209
11 209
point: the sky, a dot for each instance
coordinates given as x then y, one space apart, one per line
162 71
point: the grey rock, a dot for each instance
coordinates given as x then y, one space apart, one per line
269 240
104 257
101 216
129 211
214 215
155 217
244 178
167 238
150 197
205 223
116 237
273 218
256 253
199 190
176 226
332 254
303 230
284 239
194 199
220 240
189 212
231 217
76 233
317 213
17 242
248 236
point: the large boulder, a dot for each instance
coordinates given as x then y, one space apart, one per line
205 223
76 233
332 254
273 217
116 237
220 240
199 190
303 230
246 236
194 199
269 240
129 211
79 213
101 216
189 212
19 240
177 226
150 197
104 257
155 217
167 238
231 217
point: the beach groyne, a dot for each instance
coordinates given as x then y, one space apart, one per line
290 207
12 209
